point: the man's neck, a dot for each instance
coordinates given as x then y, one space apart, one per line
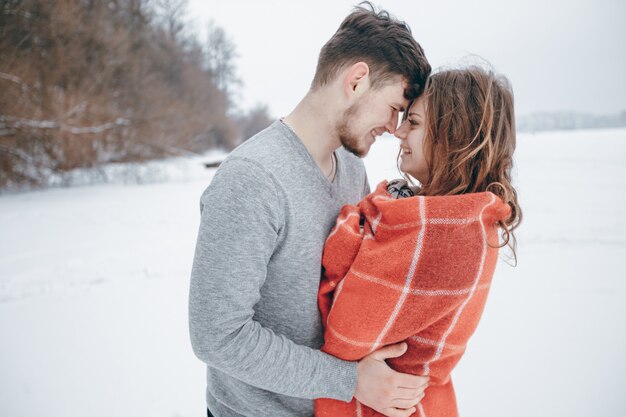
314 123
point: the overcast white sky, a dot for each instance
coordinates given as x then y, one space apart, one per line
558 54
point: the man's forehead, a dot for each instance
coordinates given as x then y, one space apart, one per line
395 89
396 83
403 104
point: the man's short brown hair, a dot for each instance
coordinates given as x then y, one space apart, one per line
384 43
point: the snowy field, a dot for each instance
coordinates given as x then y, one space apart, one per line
94 281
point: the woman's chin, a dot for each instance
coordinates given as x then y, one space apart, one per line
419 177
407 170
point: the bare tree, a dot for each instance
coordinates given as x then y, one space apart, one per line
220 59
255 120
86 82
172 13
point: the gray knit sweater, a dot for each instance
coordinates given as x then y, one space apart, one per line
253 312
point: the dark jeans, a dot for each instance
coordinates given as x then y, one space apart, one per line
208 413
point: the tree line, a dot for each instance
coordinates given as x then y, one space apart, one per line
88 82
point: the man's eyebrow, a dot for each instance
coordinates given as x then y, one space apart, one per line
400 107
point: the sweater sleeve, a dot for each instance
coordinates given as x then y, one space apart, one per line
241 218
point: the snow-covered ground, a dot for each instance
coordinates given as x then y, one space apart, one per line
94 281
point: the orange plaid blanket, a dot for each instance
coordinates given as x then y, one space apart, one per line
414 269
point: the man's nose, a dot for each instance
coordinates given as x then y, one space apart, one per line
392 126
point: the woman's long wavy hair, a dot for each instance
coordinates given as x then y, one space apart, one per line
470 139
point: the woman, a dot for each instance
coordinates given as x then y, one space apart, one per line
414 263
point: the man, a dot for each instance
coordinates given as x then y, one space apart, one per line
253 309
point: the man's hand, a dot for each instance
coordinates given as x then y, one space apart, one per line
385 390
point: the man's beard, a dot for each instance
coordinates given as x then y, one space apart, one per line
346 136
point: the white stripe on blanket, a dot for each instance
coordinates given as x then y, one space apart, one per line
408 280
431 342
442 342
340 223
416 291
360 343
442 220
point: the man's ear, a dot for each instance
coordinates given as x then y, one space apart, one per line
356 79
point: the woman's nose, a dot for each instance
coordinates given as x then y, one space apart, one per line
401 131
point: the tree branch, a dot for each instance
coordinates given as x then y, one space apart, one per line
17 122
10 77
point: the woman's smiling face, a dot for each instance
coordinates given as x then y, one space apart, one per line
411 134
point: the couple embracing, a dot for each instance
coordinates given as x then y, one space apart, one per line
312 295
